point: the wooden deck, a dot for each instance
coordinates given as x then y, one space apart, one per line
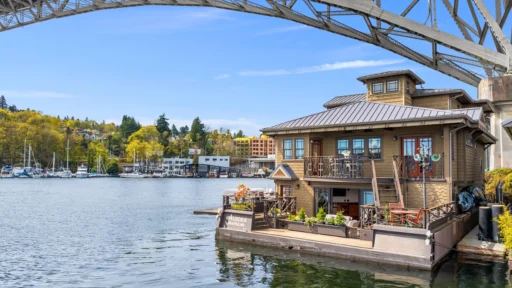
471 244
316 237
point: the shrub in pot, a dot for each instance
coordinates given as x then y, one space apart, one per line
320 216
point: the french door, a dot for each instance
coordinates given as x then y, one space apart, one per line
412 146
322 199
316 153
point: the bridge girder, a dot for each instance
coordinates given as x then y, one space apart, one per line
382 28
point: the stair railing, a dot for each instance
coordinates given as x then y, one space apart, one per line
375 185
397 183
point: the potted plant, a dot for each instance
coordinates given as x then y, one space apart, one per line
320 216
297 223
333 226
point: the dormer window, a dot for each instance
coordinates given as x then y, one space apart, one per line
377 88
392 86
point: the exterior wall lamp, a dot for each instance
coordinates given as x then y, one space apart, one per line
395 138
297 186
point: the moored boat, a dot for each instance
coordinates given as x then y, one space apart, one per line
7 172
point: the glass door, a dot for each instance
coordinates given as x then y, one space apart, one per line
412 146
323 199
316 157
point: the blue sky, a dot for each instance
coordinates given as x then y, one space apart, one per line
235 70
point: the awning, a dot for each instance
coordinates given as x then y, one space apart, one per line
283 172
507 125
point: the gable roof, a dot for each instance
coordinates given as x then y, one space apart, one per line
345 99
283 172
362 113
407 72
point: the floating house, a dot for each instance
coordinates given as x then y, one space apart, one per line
392 159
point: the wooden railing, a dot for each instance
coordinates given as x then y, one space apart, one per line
277 207
439 212
334 167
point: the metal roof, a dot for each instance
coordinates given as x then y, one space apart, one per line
409 73
360 113
345 99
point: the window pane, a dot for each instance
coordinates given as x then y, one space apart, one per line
374 148
299 148
342 147
377 87
392 86
287 149
426 146
358 147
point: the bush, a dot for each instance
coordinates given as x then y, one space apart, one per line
505 224
340 219
292 217
320 216
492 179
330 221
302 215
240 206
310 221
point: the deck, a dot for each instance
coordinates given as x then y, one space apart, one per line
471 244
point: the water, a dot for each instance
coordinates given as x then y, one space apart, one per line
142 233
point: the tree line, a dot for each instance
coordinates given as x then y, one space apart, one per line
116 143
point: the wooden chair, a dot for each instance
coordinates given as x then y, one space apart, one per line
415 219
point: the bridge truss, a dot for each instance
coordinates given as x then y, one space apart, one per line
464 39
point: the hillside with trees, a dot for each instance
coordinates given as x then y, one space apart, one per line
89 139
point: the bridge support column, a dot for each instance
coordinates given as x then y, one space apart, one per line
499 91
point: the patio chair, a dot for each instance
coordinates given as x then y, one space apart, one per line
415 220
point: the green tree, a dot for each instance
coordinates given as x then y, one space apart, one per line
239 134
175 132
113 167
3 102
184 130
162 125
128 126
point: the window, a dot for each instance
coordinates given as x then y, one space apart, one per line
287 149
207 159
299 148
392 86
286 190
358 147
377 88
342 147
374 148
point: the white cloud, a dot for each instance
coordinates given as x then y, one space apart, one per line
222 76
283 29
162 21
34 94
323 67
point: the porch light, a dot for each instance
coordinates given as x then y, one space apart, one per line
297 186
395 138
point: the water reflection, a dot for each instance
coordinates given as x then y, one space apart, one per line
247 265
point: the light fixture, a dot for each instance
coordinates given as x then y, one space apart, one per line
297 186
395 138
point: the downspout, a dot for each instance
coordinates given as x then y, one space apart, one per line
452 98
451 158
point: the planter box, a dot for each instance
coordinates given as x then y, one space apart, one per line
331 230
298 226
366 234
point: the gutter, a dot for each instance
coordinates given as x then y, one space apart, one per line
451 158
452 98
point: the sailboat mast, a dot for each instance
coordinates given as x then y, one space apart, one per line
29 150
133 160
67 157
53 168
24 154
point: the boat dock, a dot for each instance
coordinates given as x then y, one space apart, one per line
212 211
471 244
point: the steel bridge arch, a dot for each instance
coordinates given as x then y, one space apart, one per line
19 13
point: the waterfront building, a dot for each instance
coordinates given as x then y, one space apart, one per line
242 147
361 149
220 161
175 165
261 147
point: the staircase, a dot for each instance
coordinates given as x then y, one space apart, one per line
386 193
259 222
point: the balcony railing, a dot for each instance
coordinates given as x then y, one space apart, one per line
411 169
334 167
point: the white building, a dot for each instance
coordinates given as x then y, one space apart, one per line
222 161
174 166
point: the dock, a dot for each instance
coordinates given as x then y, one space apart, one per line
212 211
471 244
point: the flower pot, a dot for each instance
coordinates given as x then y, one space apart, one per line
298 226
331 230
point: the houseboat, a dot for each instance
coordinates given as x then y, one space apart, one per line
369 156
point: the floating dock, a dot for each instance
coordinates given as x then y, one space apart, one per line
471 244
213 211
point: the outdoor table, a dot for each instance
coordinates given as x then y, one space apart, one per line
402 214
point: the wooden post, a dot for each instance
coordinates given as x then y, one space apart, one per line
397 183
375 185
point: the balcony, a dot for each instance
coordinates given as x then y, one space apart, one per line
334 167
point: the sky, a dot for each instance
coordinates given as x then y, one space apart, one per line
233 70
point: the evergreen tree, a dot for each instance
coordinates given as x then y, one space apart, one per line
128 126
162 125
174 131
13 108
239 134
3 102
184 130
197 131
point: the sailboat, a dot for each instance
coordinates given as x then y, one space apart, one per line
66 173
134 174
7 172
100 171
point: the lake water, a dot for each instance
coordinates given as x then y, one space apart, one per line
142 233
